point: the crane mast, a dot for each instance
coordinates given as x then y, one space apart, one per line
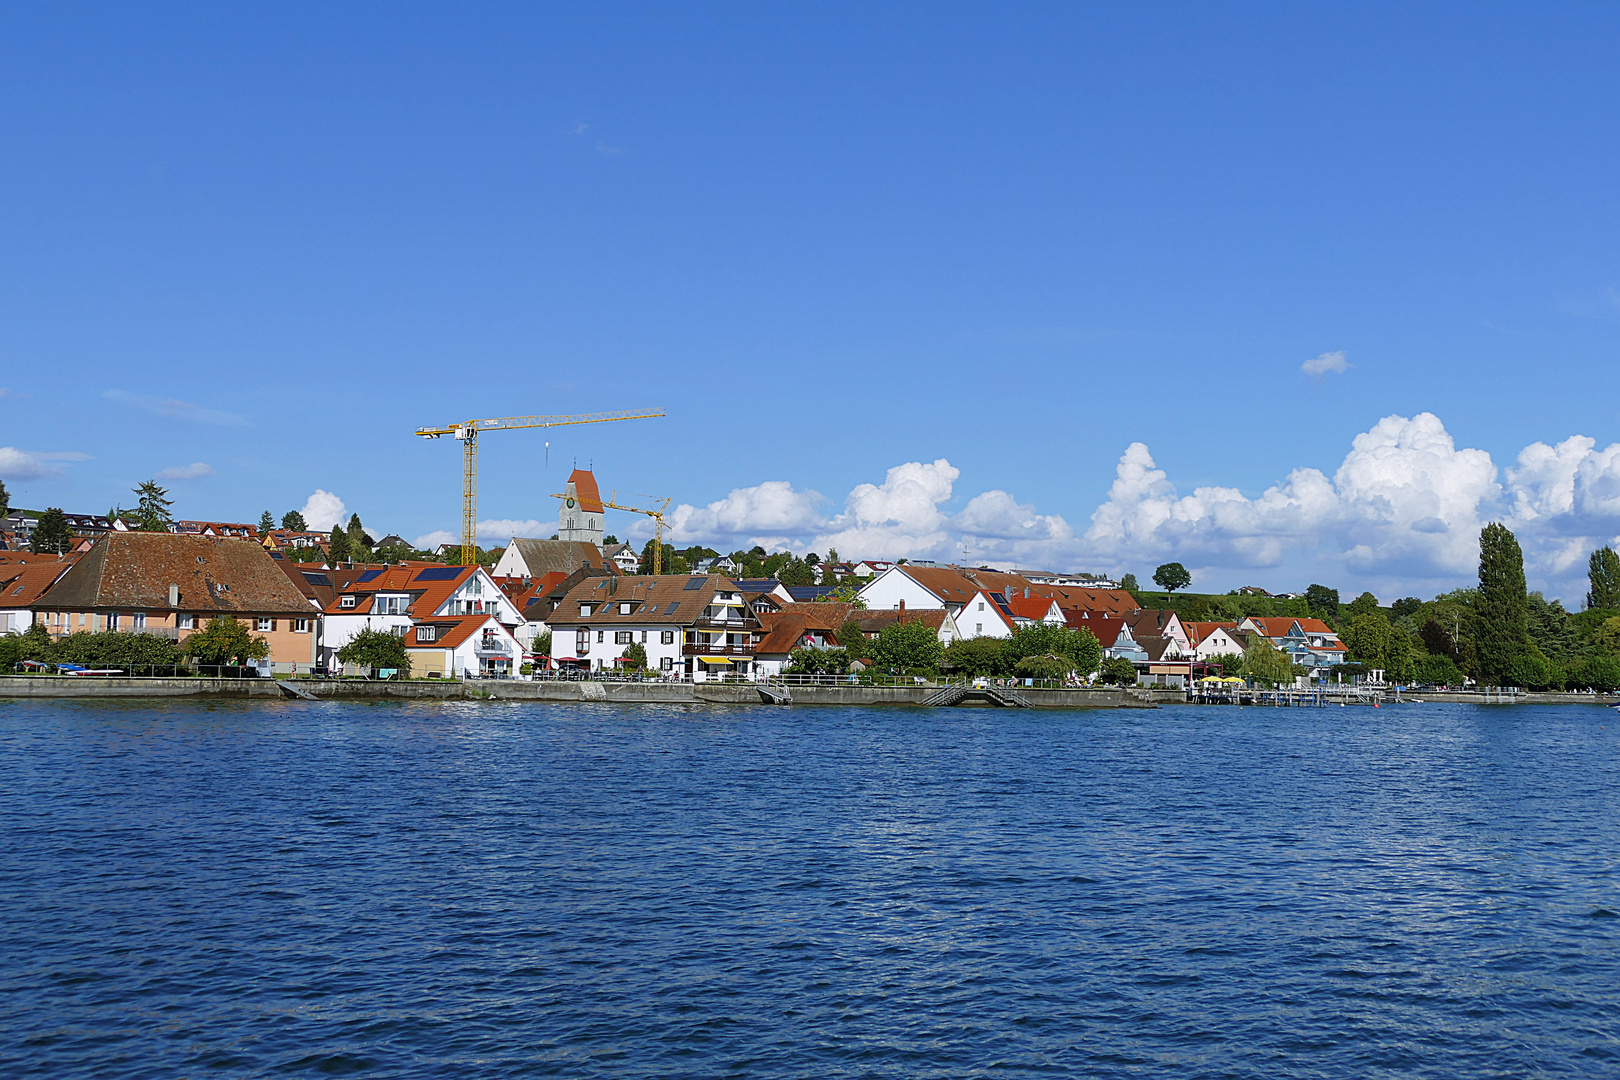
467 434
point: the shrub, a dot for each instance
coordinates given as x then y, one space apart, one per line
1439 671
1044 666
817 662
374 649
908 646
978 656
1119 671
226 641
1044 639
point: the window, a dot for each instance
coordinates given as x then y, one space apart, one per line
644 637
666 637
624 637
981 605
300 626
978 627
624 607
264 624
582 641
346 602
585 610
601 635
476 586
138 620
425 634
82 617
186 622
112 620
666 663
398 631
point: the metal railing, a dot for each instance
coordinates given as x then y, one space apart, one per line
717 650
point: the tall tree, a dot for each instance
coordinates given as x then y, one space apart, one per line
293 521
359 543
51 533
1502 617
1172 576
153 510
338 550
1603 574
266 524
5 500
1365 604
1128 583
1323 601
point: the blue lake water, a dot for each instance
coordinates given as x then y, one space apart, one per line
488 890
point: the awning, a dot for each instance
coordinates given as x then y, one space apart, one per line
715 659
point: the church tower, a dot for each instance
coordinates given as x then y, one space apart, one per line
580 517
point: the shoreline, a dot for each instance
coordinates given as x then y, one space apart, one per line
654 693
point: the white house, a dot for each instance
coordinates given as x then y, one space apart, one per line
397 598
688 625
1219 641
987 615
525 557
470 646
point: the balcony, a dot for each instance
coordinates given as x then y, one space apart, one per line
717 650
736 623
492 646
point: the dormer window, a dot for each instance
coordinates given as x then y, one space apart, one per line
625 607
346 602
585 611
426 634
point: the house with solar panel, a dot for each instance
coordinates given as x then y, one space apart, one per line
455 619
699 626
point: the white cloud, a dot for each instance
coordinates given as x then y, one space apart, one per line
21 465
429 541
194 471
1328 362
176 409
323 510
505 528
1404 499
757 514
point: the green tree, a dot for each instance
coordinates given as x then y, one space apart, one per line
1603 575
1501 624
1406 605
1044 666
1322 601
1230 663
796 571
1367 638
817 662
1601 673
293 521
1040 639
267 524
5 500
636 657
1128 583
1265 663
541 645
1437 671
225 641
1550 628
51 533
375 650
359 543
1172 576
1607 637
977 656
1365 604
908 646
853 641
1118 671
152 512
337 549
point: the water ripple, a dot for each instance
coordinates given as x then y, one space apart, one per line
496 889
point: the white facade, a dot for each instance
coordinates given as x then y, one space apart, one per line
490 650
511 564
980 617
393 611
888 589
1219 642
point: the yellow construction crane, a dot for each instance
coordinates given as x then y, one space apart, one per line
468 434
658 524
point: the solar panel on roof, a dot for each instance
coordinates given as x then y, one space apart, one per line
437 573
368 575
695 583
317 579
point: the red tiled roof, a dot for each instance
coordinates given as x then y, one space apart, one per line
452 630
23 583
585 490
134 570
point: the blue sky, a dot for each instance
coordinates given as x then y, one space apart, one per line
991 247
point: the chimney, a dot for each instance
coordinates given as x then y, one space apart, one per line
902 617
174 595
